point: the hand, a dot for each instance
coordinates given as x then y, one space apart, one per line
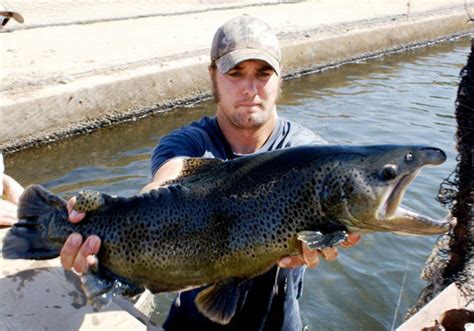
75 253
8 213
311 257
8 207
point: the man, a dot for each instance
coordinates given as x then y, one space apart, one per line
246 75
10 191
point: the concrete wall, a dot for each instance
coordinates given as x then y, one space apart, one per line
76 89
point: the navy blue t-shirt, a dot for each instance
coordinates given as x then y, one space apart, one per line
263 308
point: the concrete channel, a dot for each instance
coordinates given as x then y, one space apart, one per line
73 68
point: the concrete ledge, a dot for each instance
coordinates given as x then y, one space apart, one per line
80 106
50 112
316 53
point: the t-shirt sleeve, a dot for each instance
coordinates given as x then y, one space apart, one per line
184 142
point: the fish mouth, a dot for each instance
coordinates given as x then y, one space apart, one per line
394 218
407 222
395 196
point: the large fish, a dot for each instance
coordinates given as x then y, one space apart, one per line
221 223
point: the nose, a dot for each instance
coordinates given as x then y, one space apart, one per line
249 86
433 155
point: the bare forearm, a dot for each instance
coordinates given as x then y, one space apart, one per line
12 189
168 171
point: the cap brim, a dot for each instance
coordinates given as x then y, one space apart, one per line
230 60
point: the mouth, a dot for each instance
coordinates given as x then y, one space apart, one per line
248 104
394 218
390 206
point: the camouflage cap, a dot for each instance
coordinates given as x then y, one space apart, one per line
245 38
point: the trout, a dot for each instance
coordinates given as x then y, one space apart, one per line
223 222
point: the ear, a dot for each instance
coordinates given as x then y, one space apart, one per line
211 69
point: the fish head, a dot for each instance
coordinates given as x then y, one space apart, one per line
373 184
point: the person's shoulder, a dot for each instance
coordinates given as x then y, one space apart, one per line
299 134
204 124
196 132
197 139
293 126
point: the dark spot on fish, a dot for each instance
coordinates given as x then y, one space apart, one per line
57 307
9 315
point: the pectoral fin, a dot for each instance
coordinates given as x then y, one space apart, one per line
318 240
220 301
87 201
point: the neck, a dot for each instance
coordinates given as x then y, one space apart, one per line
246 141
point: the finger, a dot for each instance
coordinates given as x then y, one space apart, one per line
90 247
74 215
7 221
330 254
8 208
310 256
352 239
70 249
8 213
291 261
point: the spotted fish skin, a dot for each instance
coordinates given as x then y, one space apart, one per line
234 219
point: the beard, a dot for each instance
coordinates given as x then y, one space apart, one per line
249 121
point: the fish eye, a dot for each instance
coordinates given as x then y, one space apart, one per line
389 172
409 157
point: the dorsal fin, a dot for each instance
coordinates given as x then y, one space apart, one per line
194 166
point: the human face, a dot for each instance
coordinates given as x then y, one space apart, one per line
246 95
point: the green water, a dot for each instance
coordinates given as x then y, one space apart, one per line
400 98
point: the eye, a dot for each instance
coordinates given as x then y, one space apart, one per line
389 172
234 73
409 157
264 74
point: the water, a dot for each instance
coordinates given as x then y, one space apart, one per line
400 98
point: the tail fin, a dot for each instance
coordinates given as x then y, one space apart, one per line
28 239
